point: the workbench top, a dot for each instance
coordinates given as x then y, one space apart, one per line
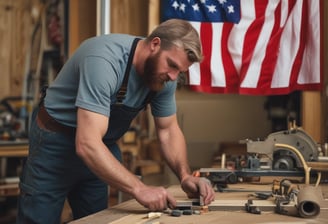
17 148
132 212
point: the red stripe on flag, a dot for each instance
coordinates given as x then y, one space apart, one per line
231 74
205 33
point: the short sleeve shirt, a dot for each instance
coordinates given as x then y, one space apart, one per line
91 78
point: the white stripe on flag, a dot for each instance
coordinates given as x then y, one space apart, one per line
194 69
289 46
284 12
217 68
237 33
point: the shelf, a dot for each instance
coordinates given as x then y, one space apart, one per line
17 148
13 149
9 190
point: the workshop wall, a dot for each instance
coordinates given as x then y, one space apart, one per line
237 117
126 17
207 120
30 42
15 19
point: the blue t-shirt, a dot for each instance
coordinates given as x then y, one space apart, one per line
91 78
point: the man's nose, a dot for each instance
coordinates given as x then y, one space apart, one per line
173 75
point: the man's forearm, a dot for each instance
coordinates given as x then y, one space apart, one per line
174 150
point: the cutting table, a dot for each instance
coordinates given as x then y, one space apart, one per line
132 212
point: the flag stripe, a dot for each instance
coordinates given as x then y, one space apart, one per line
217 70
194 70
230 73
206 31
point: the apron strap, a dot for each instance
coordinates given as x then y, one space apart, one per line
120 96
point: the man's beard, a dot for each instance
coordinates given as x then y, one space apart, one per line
152 79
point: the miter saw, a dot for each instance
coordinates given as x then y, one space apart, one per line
283 153
286 150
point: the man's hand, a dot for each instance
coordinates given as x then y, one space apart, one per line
155 198
198 186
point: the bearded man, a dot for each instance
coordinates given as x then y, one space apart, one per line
73 152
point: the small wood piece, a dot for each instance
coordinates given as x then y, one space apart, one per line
196 212
154 215
204 209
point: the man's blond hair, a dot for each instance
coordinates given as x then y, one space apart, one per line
180 33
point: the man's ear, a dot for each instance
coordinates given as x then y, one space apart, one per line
155 44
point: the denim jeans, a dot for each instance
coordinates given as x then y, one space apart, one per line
53 172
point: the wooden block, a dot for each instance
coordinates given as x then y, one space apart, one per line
204 209
239 205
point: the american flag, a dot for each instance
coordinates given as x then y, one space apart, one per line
258 47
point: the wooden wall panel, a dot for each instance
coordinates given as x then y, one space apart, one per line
15 30
22 24
314 104
324 99
135 17
312 114
6 9
154 14
82 22
129 17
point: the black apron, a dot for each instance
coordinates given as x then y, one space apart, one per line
121 115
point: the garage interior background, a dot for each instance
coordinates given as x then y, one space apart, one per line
36 37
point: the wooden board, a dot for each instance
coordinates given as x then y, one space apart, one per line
13 150
132 212
15 24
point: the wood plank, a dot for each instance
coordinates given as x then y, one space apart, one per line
312 114
135 14
20 42
132 212
82 22
15 30
324 98
318 166
154 15
19 150
6 9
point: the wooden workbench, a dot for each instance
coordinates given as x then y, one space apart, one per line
18 148
132 212
14 149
